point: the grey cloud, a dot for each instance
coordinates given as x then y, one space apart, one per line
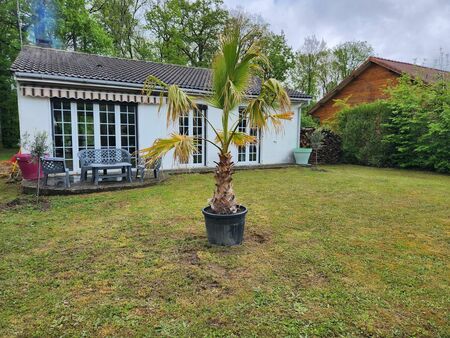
403 30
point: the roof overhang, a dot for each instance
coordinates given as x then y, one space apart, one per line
66 82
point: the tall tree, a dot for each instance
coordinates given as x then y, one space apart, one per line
280 55
78 29
350 55
305 74
186 32
10 30
122 20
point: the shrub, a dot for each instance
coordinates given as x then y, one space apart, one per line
308 121
418 128
361 130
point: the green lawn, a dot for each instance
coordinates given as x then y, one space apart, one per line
351 251
6 153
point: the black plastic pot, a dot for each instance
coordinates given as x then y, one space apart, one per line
225 229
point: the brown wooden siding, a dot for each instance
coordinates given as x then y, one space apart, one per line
368 86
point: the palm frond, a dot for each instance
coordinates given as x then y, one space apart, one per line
272 105
178 102
238 138
150 84
182 145
232 71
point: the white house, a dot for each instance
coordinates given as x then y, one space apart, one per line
90 101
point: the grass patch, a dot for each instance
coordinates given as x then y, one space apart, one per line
6 153
350 251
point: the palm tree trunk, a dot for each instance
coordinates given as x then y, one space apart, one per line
223 201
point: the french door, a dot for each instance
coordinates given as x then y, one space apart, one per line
79 125
193 124
248 153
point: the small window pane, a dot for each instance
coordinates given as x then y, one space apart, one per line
58 128
91 141
90 129
67 116
81 129
58 141
112 141
68 153
67 141
103 118
103 129
89 117
111 118
111 129
67 128
57 115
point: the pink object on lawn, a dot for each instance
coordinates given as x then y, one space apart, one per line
29 167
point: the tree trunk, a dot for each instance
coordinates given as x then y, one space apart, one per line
223 201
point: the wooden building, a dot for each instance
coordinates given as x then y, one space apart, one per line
368 83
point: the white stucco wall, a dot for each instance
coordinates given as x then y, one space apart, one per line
35 115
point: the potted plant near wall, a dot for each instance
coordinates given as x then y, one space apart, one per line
234 69
37 147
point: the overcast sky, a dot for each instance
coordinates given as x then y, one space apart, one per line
402 30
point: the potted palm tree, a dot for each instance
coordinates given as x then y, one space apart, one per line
234 69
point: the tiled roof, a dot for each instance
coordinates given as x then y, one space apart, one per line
427 74
55 62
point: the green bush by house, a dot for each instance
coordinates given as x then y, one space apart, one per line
361 129
409 130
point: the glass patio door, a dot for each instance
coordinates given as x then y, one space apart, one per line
79 125
193 124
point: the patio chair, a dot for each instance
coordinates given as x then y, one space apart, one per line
142 167
55 165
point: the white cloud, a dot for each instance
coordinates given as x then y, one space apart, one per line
403 30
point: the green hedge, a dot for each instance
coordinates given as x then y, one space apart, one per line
409 130
361 129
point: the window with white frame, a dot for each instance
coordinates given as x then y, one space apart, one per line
198 133
248 153
192 124
85 118
62 131
107 125
128 128
79 125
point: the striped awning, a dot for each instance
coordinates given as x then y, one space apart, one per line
86 94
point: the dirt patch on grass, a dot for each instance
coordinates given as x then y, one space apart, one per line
26 202
256 236
5 167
